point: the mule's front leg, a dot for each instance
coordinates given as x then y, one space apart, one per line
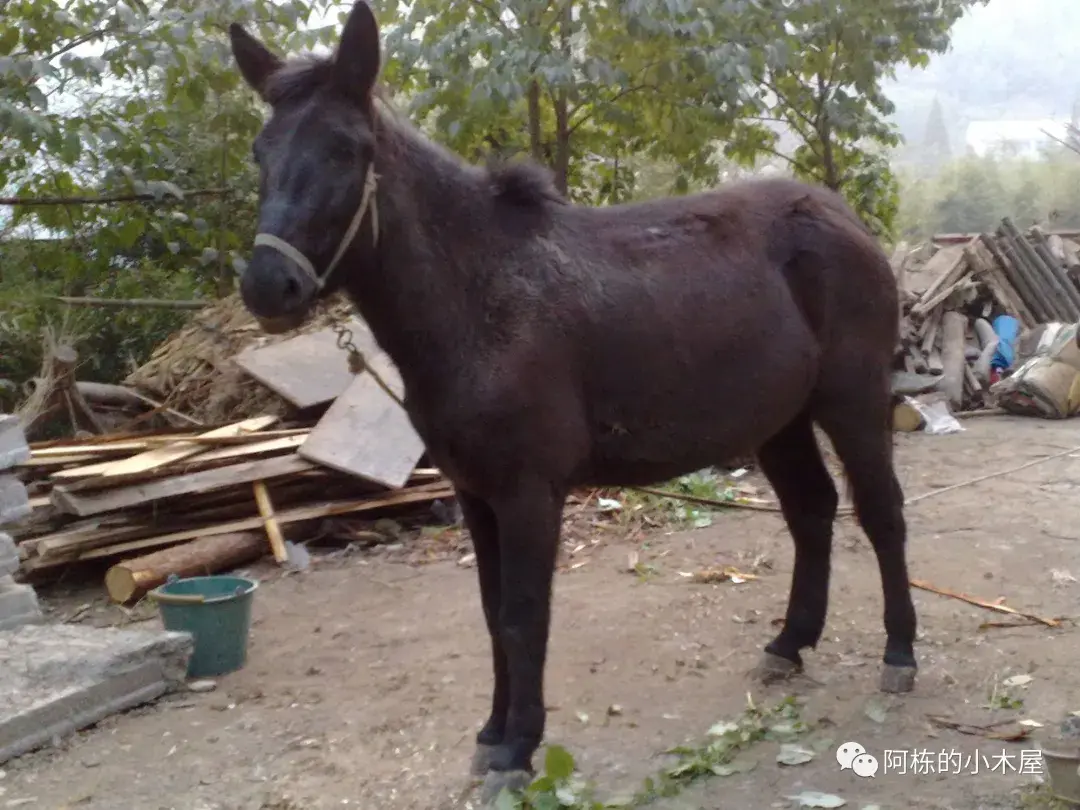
480 520
528 523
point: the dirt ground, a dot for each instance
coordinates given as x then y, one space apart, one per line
368 677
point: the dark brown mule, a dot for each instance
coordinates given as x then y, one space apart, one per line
545 345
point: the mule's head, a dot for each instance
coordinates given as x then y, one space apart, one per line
315 156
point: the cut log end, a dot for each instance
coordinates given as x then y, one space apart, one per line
128 580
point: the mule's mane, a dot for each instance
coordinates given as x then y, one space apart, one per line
521 184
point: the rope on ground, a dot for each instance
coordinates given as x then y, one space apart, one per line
988 476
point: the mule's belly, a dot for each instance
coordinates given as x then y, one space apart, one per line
670 418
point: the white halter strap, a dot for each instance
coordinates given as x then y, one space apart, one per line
367 201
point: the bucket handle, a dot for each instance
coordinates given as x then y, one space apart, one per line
178 598
189 598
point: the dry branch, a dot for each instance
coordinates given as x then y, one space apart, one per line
111 199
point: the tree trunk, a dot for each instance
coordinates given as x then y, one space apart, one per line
832 176
562 108
562 143
131 579
536 145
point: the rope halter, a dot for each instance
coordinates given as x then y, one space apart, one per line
367 201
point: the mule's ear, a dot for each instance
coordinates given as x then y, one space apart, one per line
255 61
356 63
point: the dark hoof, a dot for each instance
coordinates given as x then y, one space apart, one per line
481 760
772 668
897 680
496 781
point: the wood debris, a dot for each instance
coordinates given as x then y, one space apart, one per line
953 289
997 606
195 503
309 435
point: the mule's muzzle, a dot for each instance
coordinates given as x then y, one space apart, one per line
277 292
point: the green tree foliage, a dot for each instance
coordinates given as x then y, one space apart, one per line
123 100
820 65
587 85
622 98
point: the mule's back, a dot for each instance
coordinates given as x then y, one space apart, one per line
700 325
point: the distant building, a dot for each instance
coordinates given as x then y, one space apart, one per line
1022 139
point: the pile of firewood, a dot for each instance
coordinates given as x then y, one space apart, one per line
198 501
1032 276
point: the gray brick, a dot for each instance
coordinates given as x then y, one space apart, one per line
9 556
14 503
13 447
18 606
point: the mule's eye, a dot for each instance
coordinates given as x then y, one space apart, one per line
342 150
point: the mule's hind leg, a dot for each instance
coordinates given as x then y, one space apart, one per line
480 520
860 432
792 462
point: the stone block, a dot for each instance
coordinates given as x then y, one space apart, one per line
58 678
13 447
9 556
14 503
18 604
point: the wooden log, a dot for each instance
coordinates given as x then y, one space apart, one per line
131 579
1018 275
930 338
983 265
1056 270
1067 309
964 238
947 266
939 297
972 380
954 325
1039 289
108 394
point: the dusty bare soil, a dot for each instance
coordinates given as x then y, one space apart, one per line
368 677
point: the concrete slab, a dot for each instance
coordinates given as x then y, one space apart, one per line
13 447
59 678
14 503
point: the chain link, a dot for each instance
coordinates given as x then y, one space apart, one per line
357 362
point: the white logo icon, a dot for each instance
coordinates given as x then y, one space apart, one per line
865 765
847 752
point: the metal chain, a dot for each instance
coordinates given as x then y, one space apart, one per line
357 362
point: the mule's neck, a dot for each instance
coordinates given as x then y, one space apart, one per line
422 292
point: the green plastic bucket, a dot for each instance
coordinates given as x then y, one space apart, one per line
216 610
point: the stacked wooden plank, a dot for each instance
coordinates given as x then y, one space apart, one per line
200 498
1031 276
117 497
